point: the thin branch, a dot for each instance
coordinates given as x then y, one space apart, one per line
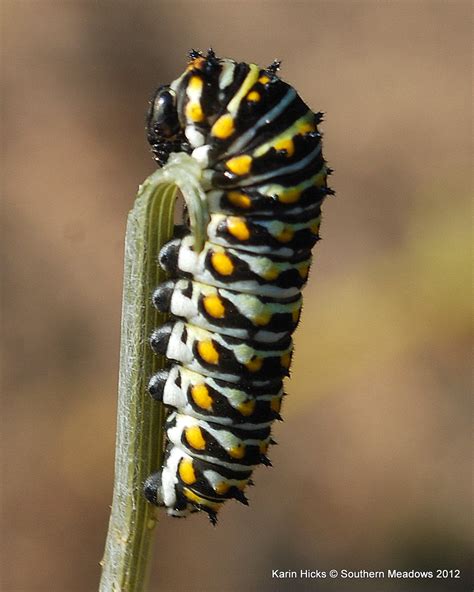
139 443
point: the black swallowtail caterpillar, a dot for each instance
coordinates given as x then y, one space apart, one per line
235 296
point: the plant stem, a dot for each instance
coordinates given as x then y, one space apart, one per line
139 442
139 419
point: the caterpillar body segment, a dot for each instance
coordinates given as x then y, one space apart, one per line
237 314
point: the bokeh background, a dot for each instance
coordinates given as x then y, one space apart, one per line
373 465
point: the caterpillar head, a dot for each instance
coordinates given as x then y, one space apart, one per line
164 131
162 119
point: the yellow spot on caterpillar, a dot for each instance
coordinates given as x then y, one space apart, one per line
295 315
247 407
237 451
315 227
285 235
214 307
244 88
253 96
287 145
285 360
255 364
263 319
264 79
239 165
221 488
222 263
197 499
197 63
195 83
200 395
290 196
239 200
194 112
320 178
271 274
238 228
263 446
275 404
303 270
224 127
208 352
305 127
195 438
186 471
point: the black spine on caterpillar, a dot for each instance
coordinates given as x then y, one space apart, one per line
236 300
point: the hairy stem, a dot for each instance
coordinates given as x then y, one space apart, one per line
139 443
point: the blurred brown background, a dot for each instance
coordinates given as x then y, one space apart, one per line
373 465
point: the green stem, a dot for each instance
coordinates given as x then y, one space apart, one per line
139 442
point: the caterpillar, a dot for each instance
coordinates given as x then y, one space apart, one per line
237 272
